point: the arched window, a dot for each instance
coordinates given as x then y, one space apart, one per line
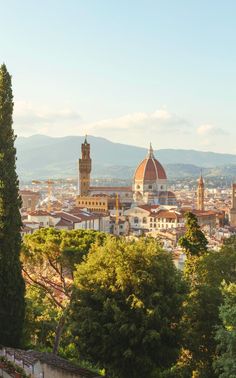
135 219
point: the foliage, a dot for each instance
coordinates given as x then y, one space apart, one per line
11 367
49 257
127 306
201 309
225 363
41 319
12 303
194 241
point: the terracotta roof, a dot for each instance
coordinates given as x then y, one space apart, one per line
149 207
69 217
63 222
29 192
166 214
204 212
111 188
39 213
150 169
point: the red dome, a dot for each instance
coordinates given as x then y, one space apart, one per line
150 169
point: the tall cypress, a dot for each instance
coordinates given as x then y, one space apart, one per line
11 282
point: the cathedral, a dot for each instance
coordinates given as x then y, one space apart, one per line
150 185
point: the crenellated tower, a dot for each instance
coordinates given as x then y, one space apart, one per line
85 165
200 194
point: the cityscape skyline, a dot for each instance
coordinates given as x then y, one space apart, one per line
132 72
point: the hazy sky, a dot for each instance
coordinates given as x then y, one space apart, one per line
132 71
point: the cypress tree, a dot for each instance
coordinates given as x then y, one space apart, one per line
11 282
194 241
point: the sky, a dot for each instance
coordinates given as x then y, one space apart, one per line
131 71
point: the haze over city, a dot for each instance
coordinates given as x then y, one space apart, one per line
117 189
129 71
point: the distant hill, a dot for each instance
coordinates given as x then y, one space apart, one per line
41 156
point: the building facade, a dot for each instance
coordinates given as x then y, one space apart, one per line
233 208
30 199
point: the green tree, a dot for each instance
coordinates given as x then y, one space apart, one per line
194 241
127 306
12 288
49 257
225 363
201 308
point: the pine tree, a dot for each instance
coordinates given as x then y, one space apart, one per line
11 282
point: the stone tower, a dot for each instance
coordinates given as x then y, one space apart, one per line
233 209
85 165
200 194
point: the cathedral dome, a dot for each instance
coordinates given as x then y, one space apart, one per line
150 169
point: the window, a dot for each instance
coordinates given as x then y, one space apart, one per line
144 220
136 220
149 186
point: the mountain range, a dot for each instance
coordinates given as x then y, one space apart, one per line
41 156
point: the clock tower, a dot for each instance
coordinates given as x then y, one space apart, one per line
200 194
85 165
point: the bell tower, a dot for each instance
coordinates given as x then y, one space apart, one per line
85 165
200 194
233 209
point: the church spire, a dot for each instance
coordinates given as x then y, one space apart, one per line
150 151
200 180
200 194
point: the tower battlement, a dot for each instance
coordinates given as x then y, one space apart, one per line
85 167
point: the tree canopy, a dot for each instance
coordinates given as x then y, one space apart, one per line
12 303
49 257
127 306
201 308
225 362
